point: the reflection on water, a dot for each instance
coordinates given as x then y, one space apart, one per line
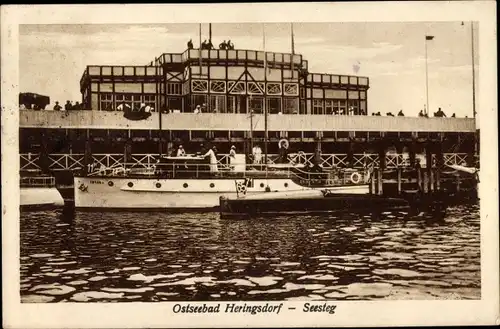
158 257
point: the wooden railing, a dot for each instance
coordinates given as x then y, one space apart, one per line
31 161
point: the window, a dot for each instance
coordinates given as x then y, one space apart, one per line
106 102
290 105
256 104
218 103
317 106
199 100
151 101
339 107
174 88
329 106
353 107
274 105
132 100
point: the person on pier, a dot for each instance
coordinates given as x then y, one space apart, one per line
440 114
68 106
213 159
57 107
453 115
400 113
223 45
197 109
204 44
230 45
421 113
190 44
181 152
389 114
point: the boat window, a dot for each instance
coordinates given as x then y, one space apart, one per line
110 183
130 184
212 185
185 185
158 185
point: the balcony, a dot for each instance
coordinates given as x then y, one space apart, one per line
241 122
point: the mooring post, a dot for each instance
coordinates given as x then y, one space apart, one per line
428 164
426 181
399 180
431 180
419 179
380 189
373 179
457 184
438 179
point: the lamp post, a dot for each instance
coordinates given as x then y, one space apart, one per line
427 38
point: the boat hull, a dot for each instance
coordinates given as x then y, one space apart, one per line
334 203
121 193
40 198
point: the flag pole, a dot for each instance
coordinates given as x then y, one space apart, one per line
265 98
473 71
426 78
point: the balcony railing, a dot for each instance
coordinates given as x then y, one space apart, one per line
241 122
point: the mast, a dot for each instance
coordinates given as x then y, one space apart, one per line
265 93
199 48
473 71
210 32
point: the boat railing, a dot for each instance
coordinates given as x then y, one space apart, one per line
40 181
331 178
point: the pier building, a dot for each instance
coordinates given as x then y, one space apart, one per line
233 89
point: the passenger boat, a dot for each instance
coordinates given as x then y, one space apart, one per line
39 193
184 183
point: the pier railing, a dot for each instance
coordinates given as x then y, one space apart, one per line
75 161
38 181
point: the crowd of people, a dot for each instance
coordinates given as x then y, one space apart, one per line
439 114
208 45
69 106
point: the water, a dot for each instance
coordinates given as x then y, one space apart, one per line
119 257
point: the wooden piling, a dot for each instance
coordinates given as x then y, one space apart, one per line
380 188
373 180
426 181
399 180
431 180
419 179
438 179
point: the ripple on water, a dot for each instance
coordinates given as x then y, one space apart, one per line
265 281
52 289
95 295
397 271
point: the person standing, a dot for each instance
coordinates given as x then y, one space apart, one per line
213 160
232 157
257 155
57 107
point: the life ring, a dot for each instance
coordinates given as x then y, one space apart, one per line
285 142
355 178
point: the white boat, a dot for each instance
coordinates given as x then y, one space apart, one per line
39 193
187 183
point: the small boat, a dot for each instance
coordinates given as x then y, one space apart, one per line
39 193
325 201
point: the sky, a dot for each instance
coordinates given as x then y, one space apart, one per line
53 57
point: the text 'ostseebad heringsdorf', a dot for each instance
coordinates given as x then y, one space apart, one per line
250 308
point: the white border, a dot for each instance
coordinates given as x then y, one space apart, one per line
128 315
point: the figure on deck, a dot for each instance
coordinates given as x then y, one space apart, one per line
213 159
232 157
230 45
389 114
400 113
421 113
68 106
181 152
190 44
257 154
223 45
